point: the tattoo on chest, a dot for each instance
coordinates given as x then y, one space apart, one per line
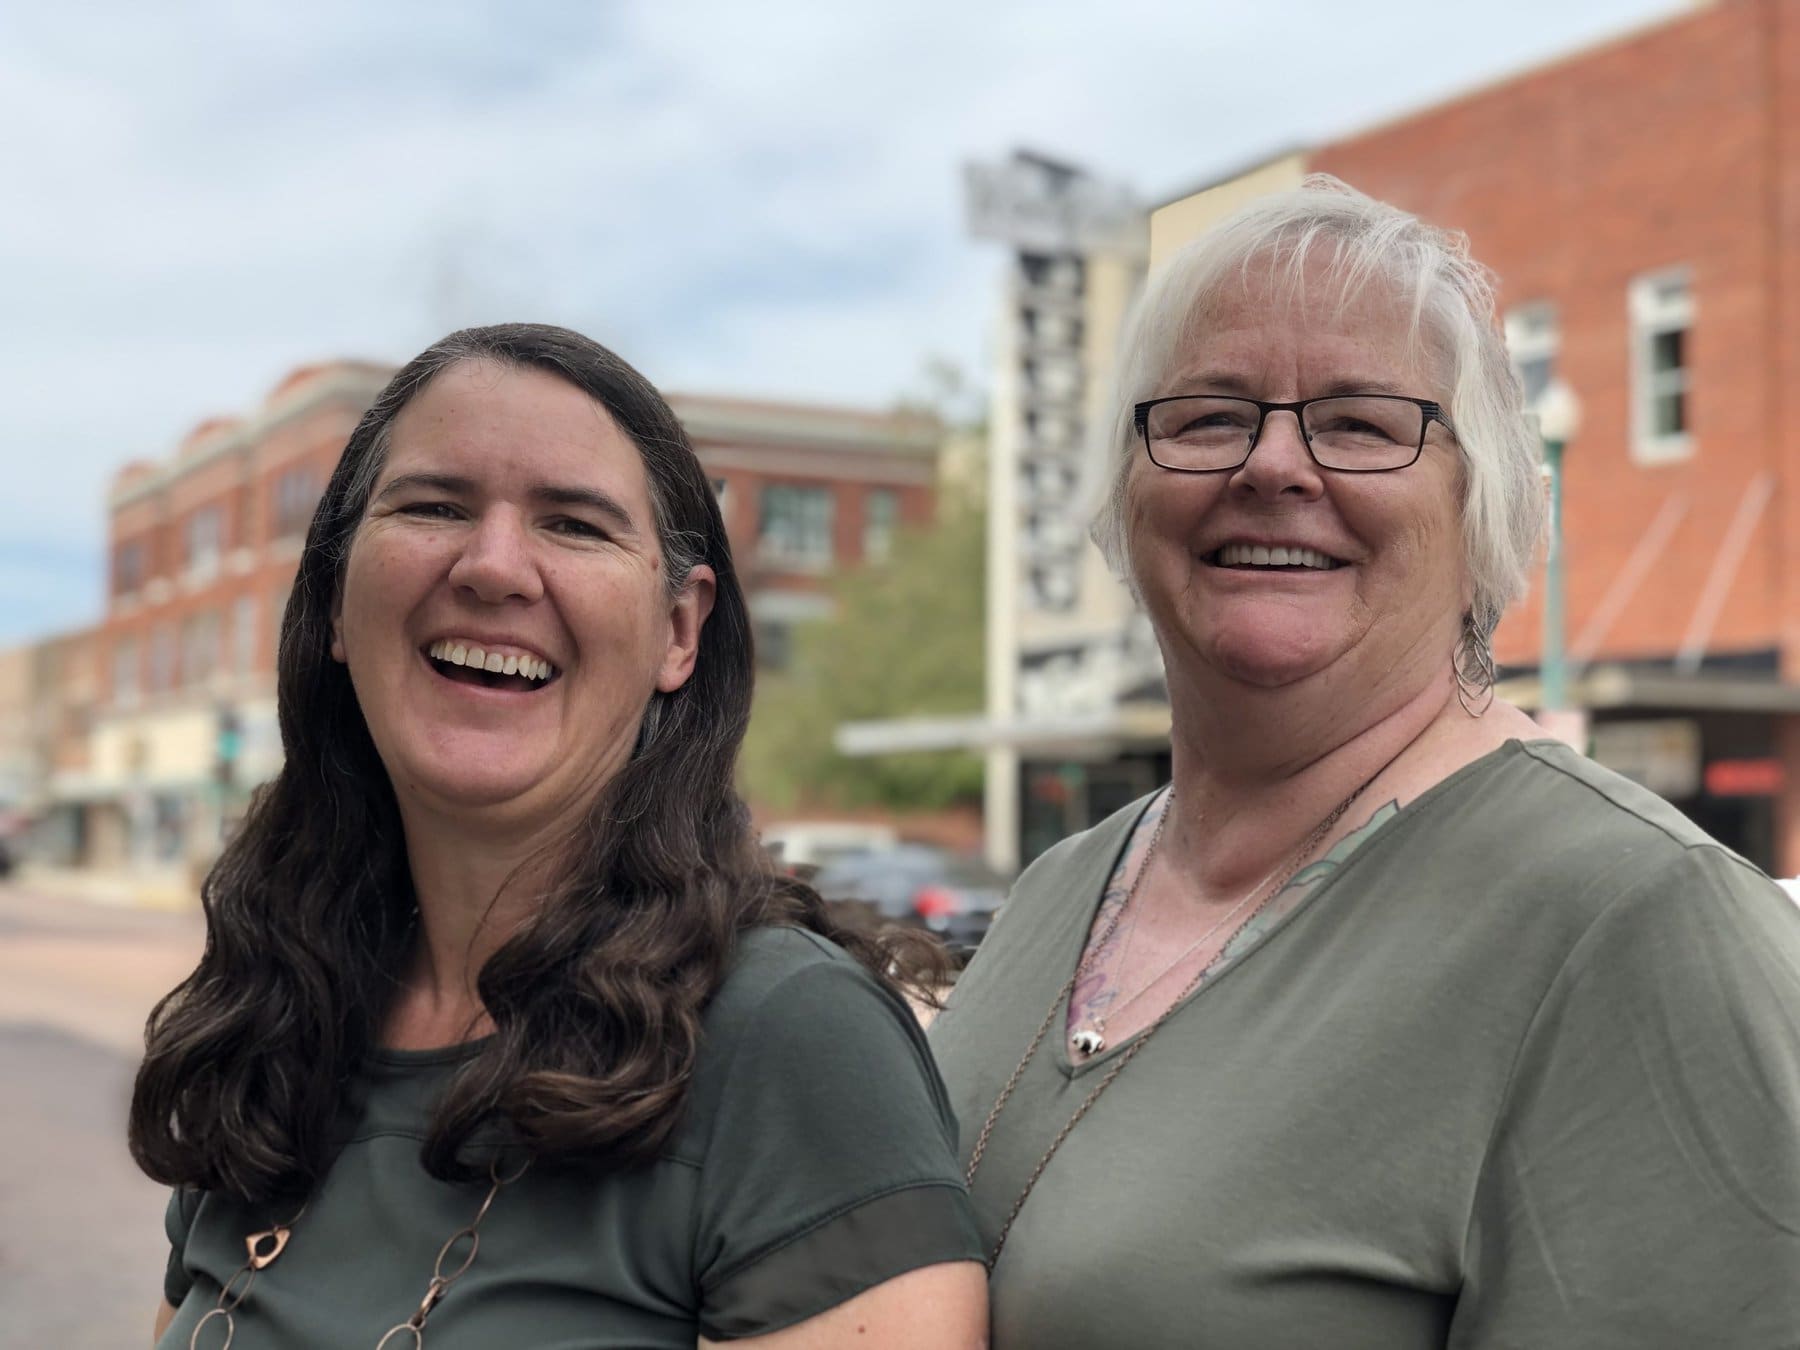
1098 988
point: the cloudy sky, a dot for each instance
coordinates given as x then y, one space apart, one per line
757 198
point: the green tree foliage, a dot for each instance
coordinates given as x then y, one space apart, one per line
905 640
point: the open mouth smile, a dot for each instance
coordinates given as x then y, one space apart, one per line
1280 558
512 668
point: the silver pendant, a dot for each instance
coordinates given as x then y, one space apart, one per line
1088 1041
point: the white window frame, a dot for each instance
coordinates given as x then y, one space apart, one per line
1656 309
205 538
199 649
803 539
243 634
165 658
1533 335
127 673
296 499
880 526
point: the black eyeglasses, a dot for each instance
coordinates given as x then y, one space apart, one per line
1348 433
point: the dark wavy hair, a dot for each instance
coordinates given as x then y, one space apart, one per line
596 1000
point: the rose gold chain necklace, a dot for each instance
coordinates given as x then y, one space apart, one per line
1278 878
265 1246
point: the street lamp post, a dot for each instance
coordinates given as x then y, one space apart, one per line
1559 415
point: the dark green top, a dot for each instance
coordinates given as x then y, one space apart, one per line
815 1159
1521 1072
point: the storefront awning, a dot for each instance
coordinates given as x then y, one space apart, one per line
1075 735
1609 686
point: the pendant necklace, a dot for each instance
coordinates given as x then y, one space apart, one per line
1090 1037
1269 887
453 1261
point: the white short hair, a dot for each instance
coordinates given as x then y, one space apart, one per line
1360 242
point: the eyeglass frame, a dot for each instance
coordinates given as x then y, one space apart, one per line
1433 412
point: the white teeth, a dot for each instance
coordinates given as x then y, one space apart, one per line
1258 555
498 663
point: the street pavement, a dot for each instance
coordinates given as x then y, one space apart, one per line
81 1240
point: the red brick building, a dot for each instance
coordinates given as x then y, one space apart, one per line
1640 203
203 549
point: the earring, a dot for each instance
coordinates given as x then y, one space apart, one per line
1473 664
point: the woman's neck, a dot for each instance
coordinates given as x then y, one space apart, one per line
474 890
1256 774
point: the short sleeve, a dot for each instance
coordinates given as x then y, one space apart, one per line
178 1222
1642 1188
831 1163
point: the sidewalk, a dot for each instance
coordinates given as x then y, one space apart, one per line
168 889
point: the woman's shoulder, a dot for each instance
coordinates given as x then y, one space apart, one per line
768 955
1563 835
1563 780
781 980
797 1014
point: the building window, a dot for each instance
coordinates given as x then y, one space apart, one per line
243 634
1662 317
796 525
774 644
296 497
205 537
881 515
1532 339
278 603
125 673
199 647
164 653
128 568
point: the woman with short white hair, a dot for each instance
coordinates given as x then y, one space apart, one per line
1389 1023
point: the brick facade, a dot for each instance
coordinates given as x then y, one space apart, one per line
1678 147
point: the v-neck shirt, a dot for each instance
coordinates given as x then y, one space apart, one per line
1522 1070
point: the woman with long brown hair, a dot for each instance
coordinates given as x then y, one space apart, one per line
505 1033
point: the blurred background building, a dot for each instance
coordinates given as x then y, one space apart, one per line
1640 203
130 747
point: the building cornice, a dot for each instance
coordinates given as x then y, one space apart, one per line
344 384
712 421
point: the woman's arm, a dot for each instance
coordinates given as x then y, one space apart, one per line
165 1314
942 1307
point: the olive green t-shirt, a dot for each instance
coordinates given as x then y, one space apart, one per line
1522 1071
814 1160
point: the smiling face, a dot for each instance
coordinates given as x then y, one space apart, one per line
504 612
1374 581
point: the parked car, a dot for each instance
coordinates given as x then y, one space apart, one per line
952 894
800 848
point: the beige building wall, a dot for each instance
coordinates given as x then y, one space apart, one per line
18 760
1175 223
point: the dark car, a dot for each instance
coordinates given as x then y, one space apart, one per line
953 895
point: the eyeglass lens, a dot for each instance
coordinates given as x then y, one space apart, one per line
1359 432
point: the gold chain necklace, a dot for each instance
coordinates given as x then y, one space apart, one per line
1090 1038
265 1246
1280 878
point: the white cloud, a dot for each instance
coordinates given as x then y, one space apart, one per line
754 198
